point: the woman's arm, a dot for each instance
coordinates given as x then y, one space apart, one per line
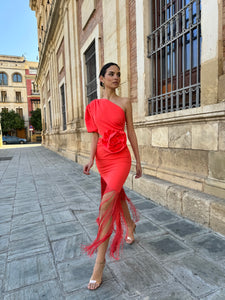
132 137
87 167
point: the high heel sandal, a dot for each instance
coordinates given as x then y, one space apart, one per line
94 284
130 240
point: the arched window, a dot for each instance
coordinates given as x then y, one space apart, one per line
3 78
17 77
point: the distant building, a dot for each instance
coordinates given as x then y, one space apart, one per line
18 90
33 95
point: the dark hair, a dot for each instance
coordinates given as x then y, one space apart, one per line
104 68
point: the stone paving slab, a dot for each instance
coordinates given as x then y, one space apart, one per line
160 215
4 241
48 209
74 274
26 247
26 231
165 247
59 217
167 291
198 274
5 228
218 295
45 290
27 271
184 228
141 272
69 248
27 218
112 290
27 207
63 230
210 245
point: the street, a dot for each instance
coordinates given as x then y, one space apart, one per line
48 209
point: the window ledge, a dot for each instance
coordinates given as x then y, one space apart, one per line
208 112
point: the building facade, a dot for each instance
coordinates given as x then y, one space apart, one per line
33 97
172 59
15 82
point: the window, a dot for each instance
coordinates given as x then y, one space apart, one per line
3 79
17 77
18 97
45 121
63 106
174 48
50 113
33 71
3 96
90 61
35 104
34 88
19 111
5 109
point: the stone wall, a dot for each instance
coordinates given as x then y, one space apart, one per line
185 148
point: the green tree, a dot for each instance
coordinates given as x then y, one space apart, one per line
35 119
10 121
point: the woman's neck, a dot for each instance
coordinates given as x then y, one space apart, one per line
109 94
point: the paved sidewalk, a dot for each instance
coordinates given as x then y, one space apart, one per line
48 209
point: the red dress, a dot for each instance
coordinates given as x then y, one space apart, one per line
113 161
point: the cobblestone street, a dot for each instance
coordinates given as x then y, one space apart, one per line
48 209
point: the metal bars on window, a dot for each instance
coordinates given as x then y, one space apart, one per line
174 47
63 107
90 60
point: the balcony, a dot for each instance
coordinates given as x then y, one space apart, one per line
34 92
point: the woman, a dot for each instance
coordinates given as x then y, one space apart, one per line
106 119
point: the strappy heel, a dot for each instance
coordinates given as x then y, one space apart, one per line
94 284
130 240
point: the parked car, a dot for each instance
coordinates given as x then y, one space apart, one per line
13 140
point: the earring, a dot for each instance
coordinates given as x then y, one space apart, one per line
102 83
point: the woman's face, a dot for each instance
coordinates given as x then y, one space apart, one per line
111 78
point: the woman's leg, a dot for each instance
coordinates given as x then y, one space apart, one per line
107 200
129 221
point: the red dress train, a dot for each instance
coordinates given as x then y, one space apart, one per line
113 161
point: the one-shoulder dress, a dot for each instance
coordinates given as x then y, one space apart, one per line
113 161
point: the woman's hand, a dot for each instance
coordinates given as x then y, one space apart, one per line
138 170
87 167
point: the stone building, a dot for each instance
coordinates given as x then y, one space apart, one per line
15 78
33 97
172 58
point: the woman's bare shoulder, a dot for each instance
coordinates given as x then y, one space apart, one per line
125 102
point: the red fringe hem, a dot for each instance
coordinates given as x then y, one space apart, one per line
115 220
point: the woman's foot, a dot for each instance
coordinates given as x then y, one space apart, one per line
130 233
96 277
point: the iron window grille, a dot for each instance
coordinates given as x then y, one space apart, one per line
90 61
63 107
50 114
45 119
174 48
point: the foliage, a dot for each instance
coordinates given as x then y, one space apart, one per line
35 119
10 121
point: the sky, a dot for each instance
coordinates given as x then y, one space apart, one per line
18 29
